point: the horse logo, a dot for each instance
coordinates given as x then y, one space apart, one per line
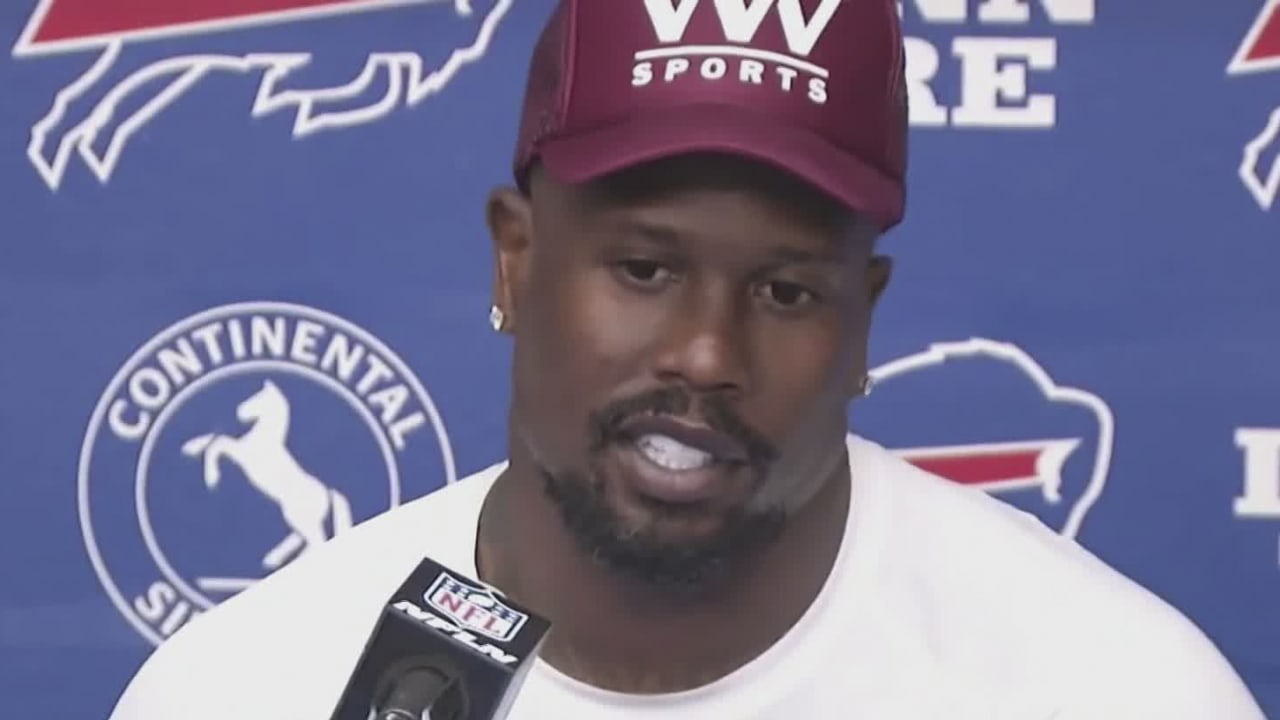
301 424
263 455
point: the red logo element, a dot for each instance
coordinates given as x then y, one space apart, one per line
1260 50
65 25
997 467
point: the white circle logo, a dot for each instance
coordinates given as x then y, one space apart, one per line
236 440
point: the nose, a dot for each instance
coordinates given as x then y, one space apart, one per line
705 345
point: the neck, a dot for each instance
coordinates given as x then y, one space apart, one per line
617 634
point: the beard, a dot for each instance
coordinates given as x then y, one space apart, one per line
641 553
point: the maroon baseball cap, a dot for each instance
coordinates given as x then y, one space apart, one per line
814 87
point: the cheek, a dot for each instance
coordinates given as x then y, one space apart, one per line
802 374
610 331
804 407
603 331
583 342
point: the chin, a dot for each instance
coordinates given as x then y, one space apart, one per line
659 543
662 523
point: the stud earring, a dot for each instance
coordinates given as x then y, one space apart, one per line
497 318
864 386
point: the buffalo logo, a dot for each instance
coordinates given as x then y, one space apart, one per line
474 608
1260 52
236 441
985 414
130 83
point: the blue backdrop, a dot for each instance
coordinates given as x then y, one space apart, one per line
243 233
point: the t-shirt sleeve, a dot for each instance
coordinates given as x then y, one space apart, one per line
147 696
1175 673
167 683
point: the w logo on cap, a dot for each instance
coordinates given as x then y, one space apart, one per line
741 22
740 26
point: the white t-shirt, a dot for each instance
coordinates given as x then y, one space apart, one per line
944 604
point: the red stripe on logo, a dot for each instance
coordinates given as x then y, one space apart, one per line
75 19
980 469
1266 46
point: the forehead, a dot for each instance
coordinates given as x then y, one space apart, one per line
707 180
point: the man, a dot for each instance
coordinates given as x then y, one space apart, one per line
687 269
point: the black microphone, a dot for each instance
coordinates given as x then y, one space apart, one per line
445 648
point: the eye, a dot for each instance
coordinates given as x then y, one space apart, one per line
644 273
787 295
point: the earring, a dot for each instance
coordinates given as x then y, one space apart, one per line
496 318
864 385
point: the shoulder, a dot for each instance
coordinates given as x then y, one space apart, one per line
1003 585
970 543
299 631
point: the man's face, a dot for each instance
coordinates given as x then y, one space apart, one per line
687 337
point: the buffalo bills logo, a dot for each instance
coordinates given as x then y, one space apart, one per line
421 45
987 415
1259 52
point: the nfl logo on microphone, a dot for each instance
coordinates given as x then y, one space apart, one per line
474 608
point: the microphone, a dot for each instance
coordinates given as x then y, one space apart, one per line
444 648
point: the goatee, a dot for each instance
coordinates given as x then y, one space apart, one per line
640 553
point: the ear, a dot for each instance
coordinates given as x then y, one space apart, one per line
510 219
879 271
865 236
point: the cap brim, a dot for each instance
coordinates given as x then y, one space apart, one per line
666 132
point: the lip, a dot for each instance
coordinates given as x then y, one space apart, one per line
716 444
674 487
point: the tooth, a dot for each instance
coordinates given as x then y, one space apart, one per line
672 454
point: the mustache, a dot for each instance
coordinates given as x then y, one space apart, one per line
714 410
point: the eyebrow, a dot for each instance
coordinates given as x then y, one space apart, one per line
781 255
